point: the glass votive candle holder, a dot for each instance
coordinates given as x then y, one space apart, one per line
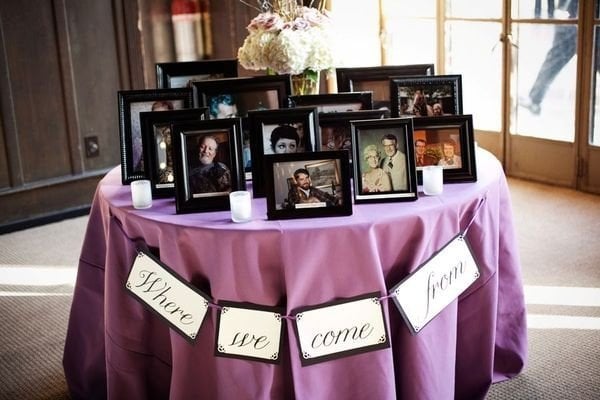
141 194
433 180
241 206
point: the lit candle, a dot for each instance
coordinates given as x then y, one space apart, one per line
433 180
141 194
241 206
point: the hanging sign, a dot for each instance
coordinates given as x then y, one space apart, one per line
249 331
340 329
435 284
169 296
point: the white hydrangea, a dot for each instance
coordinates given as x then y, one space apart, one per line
288 47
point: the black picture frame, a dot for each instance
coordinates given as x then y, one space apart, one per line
335 102
335 131
269 92
439 90
376 183
376 79
198 190
180 74
158 146
131 103
331 200
453 131
248 93
268 128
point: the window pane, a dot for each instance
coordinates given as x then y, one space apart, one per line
481 80
400 51
595 131
545 9
356 32
545 68
408 8
473 9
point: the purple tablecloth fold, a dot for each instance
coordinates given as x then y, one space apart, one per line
116 348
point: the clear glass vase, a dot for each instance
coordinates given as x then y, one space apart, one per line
305 83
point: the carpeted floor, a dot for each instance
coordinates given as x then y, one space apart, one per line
558 231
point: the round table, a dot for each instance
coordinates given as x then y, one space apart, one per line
116 348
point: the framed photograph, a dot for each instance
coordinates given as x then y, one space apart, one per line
307 185
284 131
334 128
384 160
335 102
207 164
426 96
158 145
447 141
181 74
228 98
234 97
131 104
376 79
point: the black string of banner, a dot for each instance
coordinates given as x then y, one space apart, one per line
142 246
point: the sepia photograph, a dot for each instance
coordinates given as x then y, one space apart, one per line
384 167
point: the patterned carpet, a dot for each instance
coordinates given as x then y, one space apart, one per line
558 231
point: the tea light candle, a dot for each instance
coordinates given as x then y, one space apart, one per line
241 206
433 180
141 194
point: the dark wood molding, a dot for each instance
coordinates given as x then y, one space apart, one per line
134 44
40 201
44 219
9 123
69 94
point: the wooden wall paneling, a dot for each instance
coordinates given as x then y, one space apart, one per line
4 177
229 21
134 44
5 120
94 60
40 128
68 84
55 198
120 32
157 40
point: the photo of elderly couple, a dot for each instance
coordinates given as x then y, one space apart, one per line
383 163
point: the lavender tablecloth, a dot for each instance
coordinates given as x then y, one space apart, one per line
117 349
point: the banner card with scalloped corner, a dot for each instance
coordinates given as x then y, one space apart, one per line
249 331
165 293
435 284
340 328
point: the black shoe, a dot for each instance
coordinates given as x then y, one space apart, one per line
533 108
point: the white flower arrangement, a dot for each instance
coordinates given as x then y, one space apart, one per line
290 39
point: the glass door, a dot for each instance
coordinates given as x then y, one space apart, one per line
589 161
543 60
529 68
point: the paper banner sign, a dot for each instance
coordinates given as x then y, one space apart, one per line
249 331
340 328
164 292
436 283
